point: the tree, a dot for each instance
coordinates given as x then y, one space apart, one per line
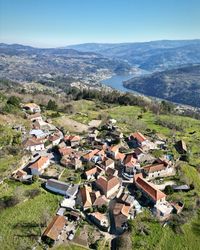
138 194
102 209
52 105
14 100
17 139
169 190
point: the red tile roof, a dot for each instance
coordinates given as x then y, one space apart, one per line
148 188
65 151
107 184
55 227
129 160
154 168
121 208
120 156
32 142
114 148
85 196
100 201
54 137
93 171
107 162
140 137
72 138
90 154
39 163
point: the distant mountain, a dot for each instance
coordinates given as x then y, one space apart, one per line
180 85
25 63
151 56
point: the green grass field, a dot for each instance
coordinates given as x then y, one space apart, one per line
20 225
163 238
69 247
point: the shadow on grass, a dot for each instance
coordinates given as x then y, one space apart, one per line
28 229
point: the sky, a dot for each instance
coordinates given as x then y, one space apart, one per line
55 23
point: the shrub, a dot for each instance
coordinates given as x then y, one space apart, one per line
169 190
13 100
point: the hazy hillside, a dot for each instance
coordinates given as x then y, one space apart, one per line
152 56
179 85
25 63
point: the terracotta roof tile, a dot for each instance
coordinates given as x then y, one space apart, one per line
129 160
39 163
55 227
85 196
140 137
107 184
72 138
148 188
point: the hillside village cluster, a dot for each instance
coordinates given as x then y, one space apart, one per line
114 170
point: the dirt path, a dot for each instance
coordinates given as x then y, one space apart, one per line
94 123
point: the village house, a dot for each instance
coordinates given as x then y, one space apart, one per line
138 140
101 220
39 134
162 210
72 140
84 198
139 154
68 190
38 167
120 157
158 169
113 151
131 166
33 144
55 139
32 107
109 186
149 189
76 163
65 150
73 216
92 135
34 117
40 124
107 163
177 207
19 175
71 158
89 155
100 200
93 172
111 172
127 199
99 155
121 215
54 229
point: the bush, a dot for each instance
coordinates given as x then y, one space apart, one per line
168 190
52 105
102 209
138 194
32 193
13 100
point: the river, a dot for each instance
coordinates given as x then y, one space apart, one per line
116 82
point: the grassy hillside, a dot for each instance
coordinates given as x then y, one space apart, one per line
21 225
